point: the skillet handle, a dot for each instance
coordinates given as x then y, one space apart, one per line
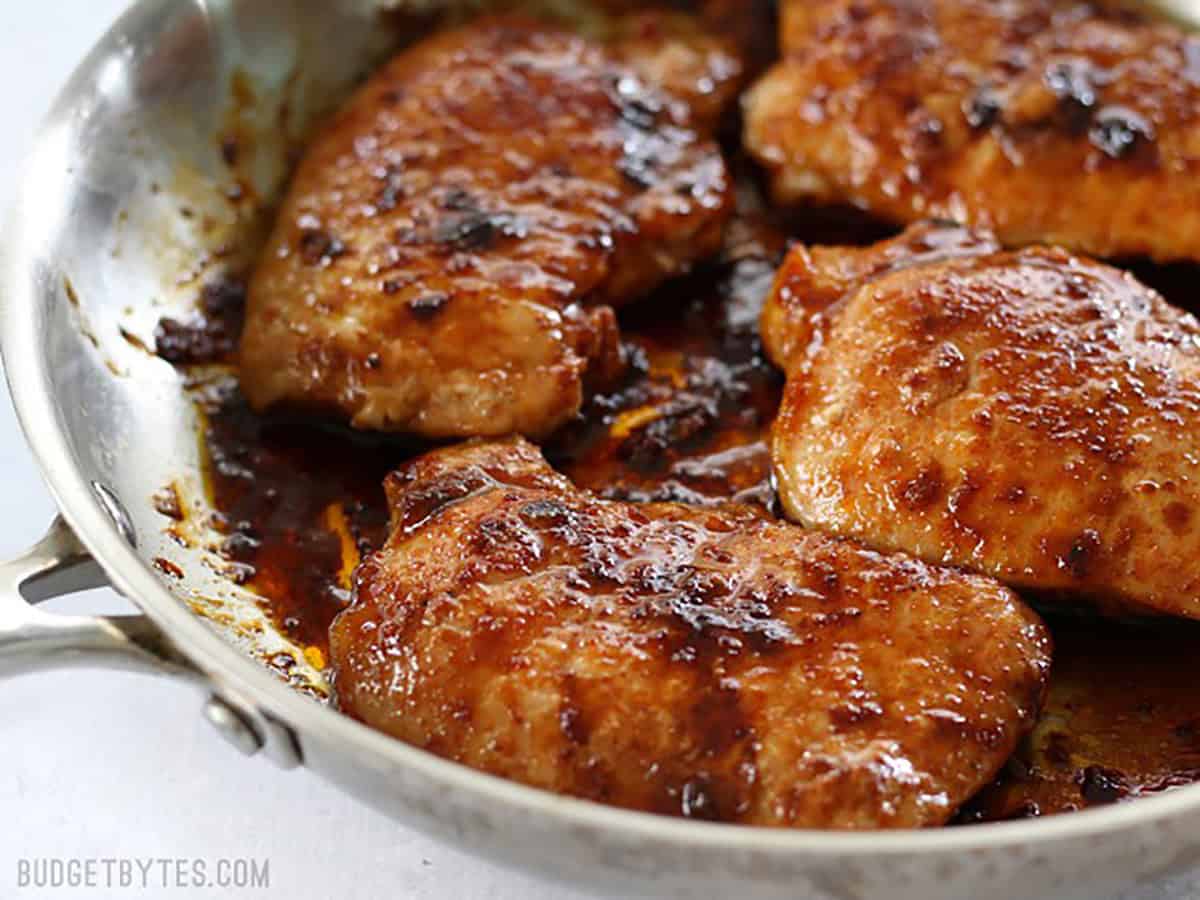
33 640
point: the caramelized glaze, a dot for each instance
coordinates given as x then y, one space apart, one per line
702 662
1045 120
1030 415
446 260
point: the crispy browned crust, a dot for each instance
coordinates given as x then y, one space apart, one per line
1030 415
710 663
445 260
1046 120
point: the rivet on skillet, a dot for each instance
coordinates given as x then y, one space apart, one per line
232 726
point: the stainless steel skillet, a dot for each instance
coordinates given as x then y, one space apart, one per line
151 175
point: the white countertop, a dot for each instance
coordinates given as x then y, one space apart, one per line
104 765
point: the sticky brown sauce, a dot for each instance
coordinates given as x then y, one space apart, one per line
300 504
1121 721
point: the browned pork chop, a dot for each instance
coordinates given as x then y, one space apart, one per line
1031 415
1048 121
709 663
448 254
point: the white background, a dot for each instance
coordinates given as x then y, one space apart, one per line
96 764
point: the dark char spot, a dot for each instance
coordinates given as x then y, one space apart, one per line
1073 83
318 246
475 230
1118 132
982 109
392 192
427 306
1081 558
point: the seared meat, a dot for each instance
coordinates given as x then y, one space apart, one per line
710 663
445 260
1031 415
1046 120
677 53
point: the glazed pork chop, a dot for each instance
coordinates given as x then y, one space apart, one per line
1031 415
448 255
699 662
1047 121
